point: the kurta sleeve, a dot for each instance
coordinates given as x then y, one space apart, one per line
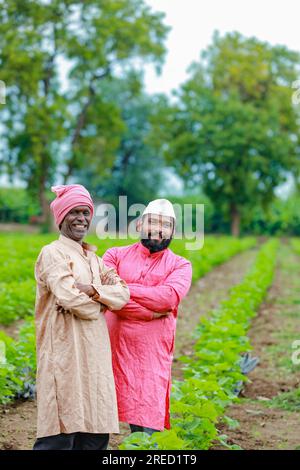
110 258
132 310
168 295
54 270
115 294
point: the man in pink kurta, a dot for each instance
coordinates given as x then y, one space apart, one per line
142 333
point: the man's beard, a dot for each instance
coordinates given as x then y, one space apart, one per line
156 245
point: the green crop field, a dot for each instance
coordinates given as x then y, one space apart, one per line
211 371
17 295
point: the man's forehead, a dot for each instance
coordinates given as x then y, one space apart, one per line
163 218
80 208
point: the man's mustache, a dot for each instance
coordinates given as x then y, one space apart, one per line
156 245
153 235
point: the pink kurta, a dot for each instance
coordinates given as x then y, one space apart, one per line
142 347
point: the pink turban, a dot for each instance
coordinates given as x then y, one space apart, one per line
68 197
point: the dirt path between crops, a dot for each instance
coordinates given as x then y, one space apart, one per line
262 424
18 421
12 330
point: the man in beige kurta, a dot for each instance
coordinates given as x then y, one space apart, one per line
76 396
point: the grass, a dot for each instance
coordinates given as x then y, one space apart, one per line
289 401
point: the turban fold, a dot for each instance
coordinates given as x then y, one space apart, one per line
68 197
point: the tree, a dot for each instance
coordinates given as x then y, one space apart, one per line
233 129
55 122
137 169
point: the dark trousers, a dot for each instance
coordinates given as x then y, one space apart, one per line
73 441
136 428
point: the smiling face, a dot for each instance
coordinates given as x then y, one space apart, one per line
156 232
76 223
157 227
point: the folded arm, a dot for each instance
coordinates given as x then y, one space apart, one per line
54 270
113 291
146 303
168 295
132 310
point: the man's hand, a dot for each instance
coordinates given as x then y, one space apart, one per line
109 278
161 314
60 309
86 289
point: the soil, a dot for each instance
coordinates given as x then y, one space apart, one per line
274 329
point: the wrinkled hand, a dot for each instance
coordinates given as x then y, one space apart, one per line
109 279
60 309
86 289
161 314
103 308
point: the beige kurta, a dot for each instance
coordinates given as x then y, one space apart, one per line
75 384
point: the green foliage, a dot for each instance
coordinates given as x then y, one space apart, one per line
137 168
233 130
216 250
16 205
18 253
17 371
198 403
289 401
16 300
56 121
295 242
282 217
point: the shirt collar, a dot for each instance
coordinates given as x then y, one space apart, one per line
146 252
77 246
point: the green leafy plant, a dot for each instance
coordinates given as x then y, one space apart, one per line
18 253
18 366
198 403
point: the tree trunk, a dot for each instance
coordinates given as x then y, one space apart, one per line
45 218
80 124
235 220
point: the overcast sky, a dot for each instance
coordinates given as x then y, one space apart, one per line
194 21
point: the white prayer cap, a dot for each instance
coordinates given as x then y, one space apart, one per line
160 207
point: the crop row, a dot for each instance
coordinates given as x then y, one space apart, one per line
18 255
17 299
212 373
